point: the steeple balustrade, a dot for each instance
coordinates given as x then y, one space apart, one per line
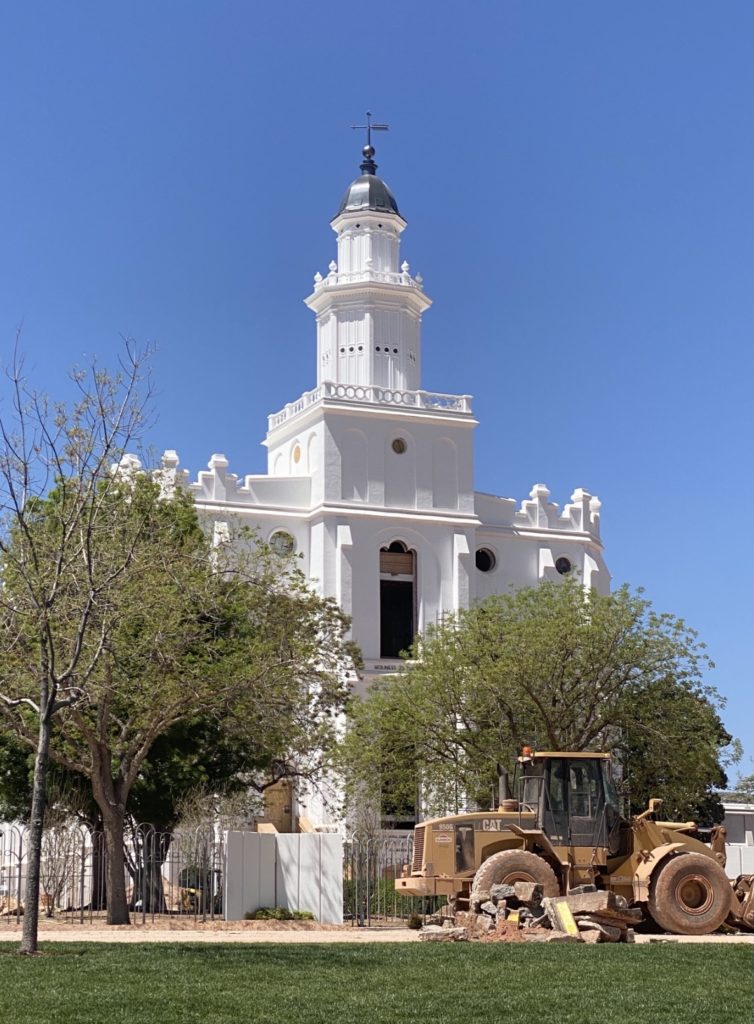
376 396
370 276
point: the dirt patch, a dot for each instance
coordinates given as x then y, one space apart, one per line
504 932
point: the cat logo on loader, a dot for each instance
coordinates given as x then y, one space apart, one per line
564 829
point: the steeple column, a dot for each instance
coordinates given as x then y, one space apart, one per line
368 243
368 306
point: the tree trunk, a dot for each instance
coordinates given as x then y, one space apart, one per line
34 844
117 905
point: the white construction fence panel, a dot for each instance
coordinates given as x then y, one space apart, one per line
740 860
299 871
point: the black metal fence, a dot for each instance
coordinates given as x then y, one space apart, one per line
175 873
182 874
371 864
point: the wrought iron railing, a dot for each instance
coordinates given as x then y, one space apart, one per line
166 873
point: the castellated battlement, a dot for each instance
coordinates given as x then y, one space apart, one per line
216 484
536 513
580 515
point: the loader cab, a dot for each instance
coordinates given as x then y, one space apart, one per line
574 797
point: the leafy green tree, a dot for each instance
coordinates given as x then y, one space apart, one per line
192 757
119 620
554 667
674 745
195 634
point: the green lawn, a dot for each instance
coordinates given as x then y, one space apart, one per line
87 983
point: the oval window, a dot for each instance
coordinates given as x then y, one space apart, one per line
399 446
297 453
282 543
563 565
485 560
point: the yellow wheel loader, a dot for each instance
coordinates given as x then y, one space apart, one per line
564 829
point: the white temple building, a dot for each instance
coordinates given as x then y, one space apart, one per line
370 478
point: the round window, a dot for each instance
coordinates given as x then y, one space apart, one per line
563 565
485 560
399 446
282 543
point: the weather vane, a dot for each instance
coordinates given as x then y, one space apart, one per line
371 127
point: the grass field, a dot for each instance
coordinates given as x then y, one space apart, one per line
174 983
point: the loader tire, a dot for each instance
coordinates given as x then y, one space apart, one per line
689 895
510 866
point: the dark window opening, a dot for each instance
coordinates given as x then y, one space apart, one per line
396 617
485 560
563 566
397 599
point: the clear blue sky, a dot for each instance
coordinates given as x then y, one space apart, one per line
576 177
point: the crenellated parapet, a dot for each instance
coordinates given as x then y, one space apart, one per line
537 512
216 485
581 515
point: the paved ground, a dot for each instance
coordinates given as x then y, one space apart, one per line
136 933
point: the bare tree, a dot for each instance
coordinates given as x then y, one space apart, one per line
56 480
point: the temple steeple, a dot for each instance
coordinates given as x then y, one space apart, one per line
368 306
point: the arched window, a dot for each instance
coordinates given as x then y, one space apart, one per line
397 599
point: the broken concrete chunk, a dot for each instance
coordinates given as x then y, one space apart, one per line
528 892
433 933
590 935
589 902
543 935
616 918
559 913
502 892
608 932
606 904
489 908
578 890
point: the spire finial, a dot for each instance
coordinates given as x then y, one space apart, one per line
369 166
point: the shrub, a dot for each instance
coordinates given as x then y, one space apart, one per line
278 914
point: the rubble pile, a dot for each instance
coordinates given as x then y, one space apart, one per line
521 913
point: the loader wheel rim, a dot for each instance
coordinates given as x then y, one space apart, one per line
694 894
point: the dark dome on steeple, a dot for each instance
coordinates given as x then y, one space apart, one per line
368 192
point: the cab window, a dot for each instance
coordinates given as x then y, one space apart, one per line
584 788
465 848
